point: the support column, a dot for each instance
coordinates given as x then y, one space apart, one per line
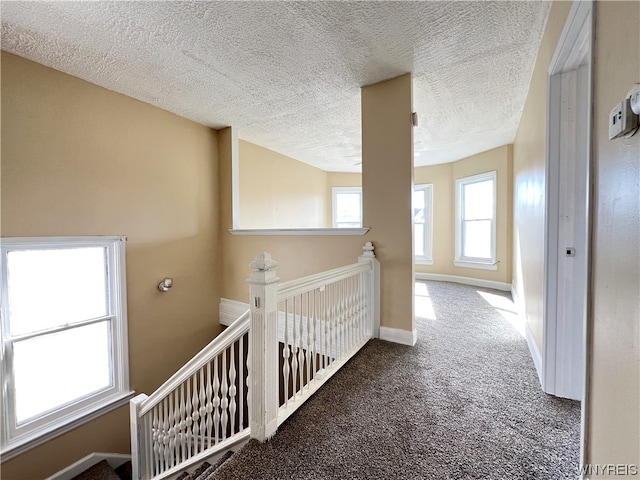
387 184
263 345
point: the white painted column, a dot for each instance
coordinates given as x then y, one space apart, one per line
263 348
372 288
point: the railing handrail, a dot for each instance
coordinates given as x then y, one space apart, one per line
318 280
214 348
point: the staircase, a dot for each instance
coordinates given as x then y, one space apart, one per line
259 371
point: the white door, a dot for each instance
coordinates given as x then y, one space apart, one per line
567 234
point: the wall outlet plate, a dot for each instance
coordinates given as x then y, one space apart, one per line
622 119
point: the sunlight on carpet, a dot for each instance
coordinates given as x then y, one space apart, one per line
423 303
506 308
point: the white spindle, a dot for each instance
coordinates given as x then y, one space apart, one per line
216 402
232 389
294 351
300 346
224 404
209 405
285 353
241 383
183 426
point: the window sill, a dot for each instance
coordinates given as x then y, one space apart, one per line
36 439
424 261
300 231
476 265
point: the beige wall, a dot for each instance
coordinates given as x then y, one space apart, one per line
297 255
277 191
443 178
529 181
387 136
81 160
614 393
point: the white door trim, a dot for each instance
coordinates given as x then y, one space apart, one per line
575 48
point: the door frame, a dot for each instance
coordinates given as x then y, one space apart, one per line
575 44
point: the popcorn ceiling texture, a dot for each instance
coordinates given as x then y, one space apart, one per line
288 74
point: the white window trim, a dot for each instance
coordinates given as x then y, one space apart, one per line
426 259
337 190
16 440
472 262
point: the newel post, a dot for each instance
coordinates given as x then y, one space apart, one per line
372 279
263 345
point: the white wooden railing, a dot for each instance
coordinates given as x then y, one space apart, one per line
255 374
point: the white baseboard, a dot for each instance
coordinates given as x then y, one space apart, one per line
476 282
114 460
395 335
231 310
535 352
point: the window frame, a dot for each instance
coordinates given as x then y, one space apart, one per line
474 262
334 193
15 438
427 258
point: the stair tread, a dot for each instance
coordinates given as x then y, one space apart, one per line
100 471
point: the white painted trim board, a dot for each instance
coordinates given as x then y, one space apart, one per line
476 282
396 335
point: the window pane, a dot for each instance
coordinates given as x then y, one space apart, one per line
477 239
418 206
478 200
419 239
55 369
49 288
348 208
347 225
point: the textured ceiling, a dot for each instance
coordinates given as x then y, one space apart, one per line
288 74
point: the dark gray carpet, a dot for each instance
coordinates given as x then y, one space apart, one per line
464 403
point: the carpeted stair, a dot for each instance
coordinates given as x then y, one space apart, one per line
103 471
206 470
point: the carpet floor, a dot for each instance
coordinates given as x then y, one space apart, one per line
463 403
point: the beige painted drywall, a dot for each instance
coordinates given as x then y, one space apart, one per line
78 159
387 184
614 393
277 191
443 178
339 179
297 255
529 182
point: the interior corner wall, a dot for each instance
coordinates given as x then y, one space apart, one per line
613 429
277 191
297 256
78 159
529 153
443 177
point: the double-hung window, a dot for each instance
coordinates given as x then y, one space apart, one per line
476 221
422 223
64 335
347 207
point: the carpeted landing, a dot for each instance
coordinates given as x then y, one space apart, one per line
464 403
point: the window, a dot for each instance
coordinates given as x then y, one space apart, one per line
476 221
64 335
347 207
422 223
